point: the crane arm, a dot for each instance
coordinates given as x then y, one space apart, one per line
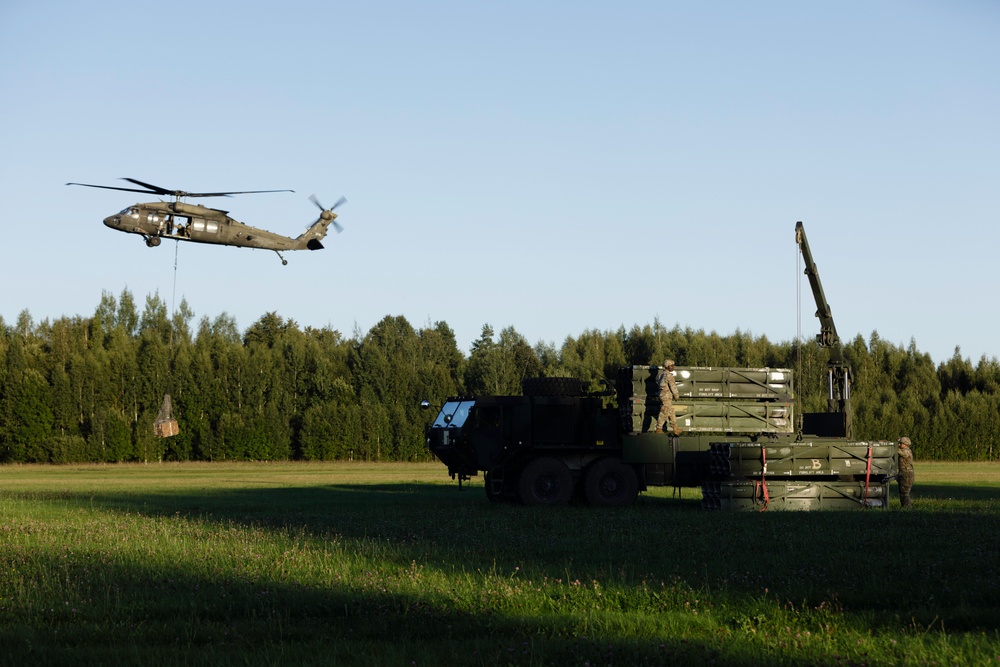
838 370
828 336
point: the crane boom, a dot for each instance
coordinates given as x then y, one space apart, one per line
838 418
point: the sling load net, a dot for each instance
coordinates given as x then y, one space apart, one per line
165 424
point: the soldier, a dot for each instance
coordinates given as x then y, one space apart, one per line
905 476
668 394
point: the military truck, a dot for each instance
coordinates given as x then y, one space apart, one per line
740 441
557 442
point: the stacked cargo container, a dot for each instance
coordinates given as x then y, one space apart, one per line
712 400
799 475
759 461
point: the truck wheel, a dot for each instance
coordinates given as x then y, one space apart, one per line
545 481
610 483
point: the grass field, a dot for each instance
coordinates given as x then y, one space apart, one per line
390 564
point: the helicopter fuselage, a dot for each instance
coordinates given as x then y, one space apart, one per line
201 224
192 222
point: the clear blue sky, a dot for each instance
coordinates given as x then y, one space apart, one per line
551 166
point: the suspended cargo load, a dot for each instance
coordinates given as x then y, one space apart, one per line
758 496
767 384
872 460
166 428
165 425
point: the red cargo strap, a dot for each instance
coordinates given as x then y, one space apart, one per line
763 471
868 474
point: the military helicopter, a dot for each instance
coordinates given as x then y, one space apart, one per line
200 224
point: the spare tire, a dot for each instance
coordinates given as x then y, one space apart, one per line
552 386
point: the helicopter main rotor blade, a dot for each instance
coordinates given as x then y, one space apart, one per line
182 193
112 187
226 194
151 189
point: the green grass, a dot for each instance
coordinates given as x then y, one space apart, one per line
391 564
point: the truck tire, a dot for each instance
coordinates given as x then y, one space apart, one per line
610 483
545 481
552 387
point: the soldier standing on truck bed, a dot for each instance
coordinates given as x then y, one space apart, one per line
668 394
905 476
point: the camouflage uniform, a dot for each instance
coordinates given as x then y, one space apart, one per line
905 476
668 394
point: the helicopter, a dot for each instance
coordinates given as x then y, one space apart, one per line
192 222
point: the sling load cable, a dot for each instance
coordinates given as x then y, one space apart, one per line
165 425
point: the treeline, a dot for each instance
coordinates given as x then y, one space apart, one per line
88 389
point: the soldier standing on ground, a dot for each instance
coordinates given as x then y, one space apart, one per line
905 476
668 394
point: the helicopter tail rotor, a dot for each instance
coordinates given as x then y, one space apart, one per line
317 230
327 214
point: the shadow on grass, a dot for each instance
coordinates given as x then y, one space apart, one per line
876 568
132 614
956 492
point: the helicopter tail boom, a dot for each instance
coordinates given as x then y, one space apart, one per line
312 236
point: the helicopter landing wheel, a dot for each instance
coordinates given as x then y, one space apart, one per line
284 262
152 241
